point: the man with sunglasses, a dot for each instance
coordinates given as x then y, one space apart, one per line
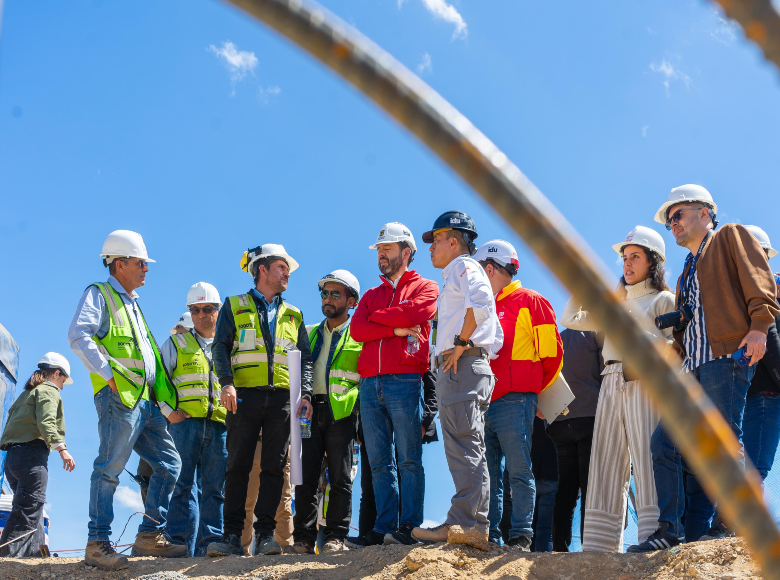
334 420
197 426
110 336
726 301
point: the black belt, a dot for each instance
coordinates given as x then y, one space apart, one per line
473 351
319 399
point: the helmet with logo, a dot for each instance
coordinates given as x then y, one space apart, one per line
185 321
55 361
250 257
203 293
763 240
689 193
645 237
454 220
393 233
501 252
123 244
344 278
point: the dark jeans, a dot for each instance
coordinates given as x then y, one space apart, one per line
572 439
27 472
543 515
367 516
334 439
761 428
269 410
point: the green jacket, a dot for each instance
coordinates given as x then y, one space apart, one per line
341 375
36 414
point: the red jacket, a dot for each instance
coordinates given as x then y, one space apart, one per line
384 308
532 354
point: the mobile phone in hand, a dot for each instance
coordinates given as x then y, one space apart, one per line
741 357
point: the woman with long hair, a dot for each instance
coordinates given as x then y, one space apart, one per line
625 419
35 425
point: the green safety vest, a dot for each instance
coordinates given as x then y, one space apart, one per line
249 358
120 347
342 379
194 379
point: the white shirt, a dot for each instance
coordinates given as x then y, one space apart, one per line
467 286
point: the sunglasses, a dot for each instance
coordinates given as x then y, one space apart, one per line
335 294
195 310
677 216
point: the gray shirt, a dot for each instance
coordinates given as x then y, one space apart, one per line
582 366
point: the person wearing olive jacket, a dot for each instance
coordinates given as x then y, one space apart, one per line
36 424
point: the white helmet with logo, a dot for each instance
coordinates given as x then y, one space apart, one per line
502 252
645 237
203 293
185 321
687 194
763 240
266 251
394 232
54 360
123 244
344 278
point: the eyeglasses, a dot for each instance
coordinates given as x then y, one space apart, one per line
141 263
335 294
195 310
677 216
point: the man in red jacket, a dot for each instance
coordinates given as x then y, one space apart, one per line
393 323
528 362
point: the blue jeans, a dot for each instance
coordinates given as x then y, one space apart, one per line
391 414
195 516
509 425
726 384
762 430
122 431
543 515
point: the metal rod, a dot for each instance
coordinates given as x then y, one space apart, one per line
760 21
702 434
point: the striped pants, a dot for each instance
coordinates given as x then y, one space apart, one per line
625 421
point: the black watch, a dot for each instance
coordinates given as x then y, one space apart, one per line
459 342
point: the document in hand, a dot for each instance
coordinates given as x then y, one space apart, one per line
554 400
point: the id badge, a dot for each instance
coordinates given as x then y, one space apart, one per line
247 337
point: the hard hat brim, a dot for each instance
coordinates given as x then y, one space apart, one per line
619 248
771 252
117 256
291 263
660 215
427 237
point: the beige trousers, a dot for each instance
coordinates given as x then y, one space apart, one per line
284 517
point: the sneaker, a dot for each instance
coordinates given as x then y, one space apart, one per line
372 538
521 542
660 539
103 556
431 535
156 544
470 536
333 545
718 531
229 544
265 545
298 549
403 536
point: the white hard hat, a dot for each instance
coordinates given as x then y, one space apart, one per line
266 251
202 293
342 277
645 237
763 240
394 232
686 194
502 252
54 360
185 320
123 244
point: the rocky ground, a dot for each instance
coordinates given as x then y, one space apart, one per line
722 560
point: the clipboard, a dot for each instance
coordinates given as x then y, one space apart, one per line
555 399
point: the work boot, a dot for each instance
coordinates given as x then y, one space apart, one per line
372 538
333 545
470 536
156 544
229 544
103 556
660 539
521 542
718 531
265 545
403 536
298 549
431 535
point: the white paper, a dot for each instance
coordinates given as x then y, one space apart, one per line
296 469
554 400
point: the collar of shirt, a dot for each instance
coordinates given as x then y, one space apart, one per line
272 304
508 289
448 268
339 328
121 289
51 385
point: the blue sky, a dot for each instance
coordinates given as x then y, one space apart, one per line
208 133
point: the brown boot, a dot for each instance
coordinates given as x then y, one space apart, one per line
471 537
103 556
431 535
156 544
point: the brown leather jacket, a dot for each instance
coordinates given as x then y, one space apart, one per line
737 288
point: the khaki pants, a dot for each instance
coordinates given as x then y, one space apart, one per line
284 518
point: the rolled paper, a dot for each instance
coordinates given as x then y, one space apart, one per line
296 469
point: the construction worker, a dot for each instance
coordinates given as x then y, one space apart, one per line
468 333
334 420
528 362
254 333
184 324
393 323
110 336
197 426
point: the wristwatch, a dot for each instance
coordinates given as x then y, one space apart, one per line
459 342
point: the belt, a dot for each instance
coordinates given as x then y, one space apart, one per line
319 399
473 351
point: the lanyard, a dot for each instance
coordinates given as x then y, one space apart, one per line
688 282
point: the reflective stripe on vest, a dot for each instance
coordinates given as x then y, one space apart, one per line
343 379
197 385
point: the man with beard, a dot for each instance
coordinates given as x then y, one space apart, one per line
393 323
334 418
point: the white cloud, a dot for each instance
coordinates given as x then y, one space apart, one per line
129 498
238 62
266 94
426 65
644 130
725 33
650 30
446 12
670 73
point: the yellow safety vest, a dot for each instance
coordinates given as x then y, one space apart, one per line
194 379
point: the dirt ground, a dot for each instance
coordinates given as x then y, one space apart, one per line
721 560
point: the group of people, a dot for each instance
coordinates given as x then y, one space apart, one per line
210 411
